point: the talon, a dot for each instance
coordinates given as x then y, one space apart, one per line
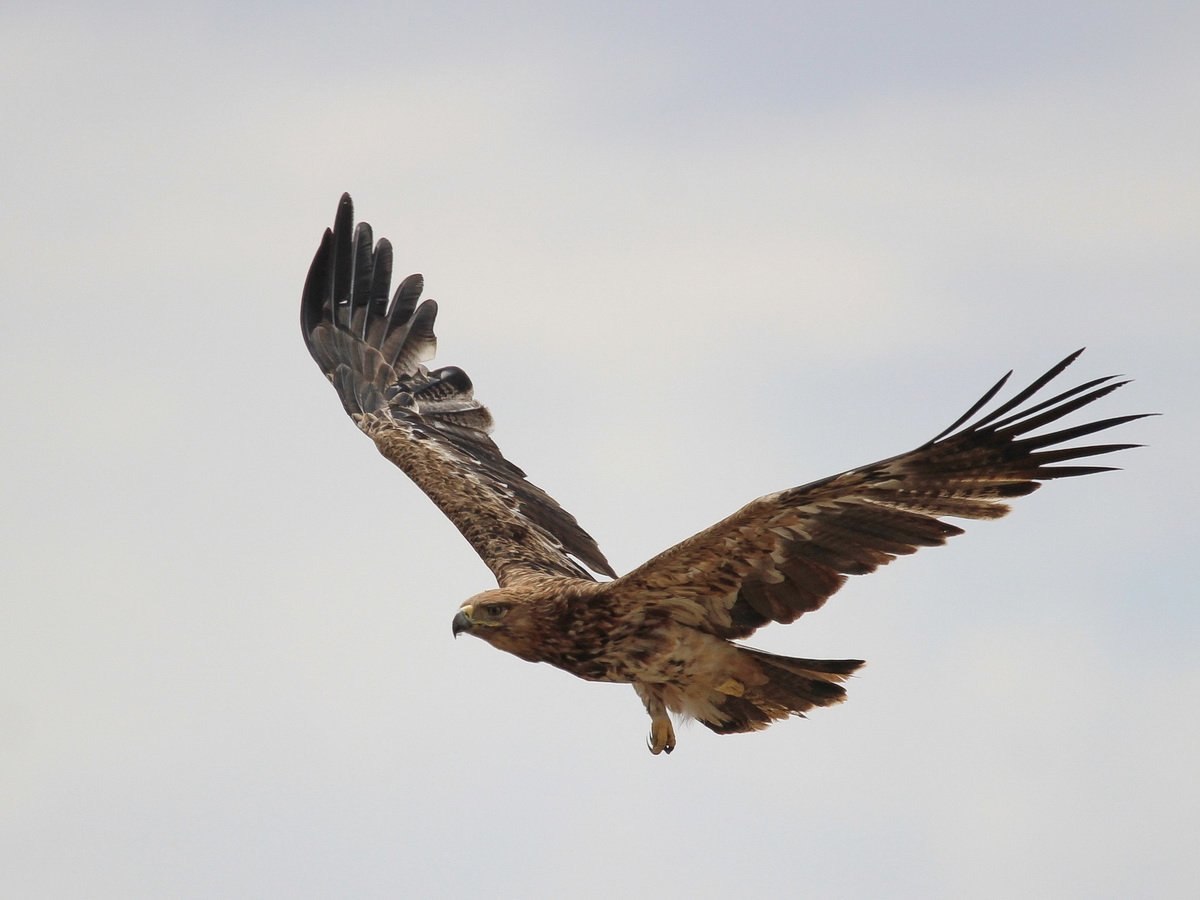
662 736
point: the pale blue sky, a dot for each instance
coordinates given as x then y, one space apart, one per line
688 255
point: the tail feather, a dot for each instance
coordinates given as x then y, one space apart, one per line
790 687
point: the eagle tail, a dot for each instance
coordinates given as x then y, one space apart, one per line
790 687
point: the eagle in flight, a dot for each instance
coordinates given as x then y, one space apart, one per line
668 627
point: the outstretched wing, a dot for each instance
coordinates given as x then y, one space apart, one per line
428 422
785 554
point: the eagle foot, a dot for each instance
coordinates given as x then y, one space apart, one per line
662 735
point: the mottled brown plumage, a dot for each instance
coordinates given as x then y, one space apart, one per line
668 626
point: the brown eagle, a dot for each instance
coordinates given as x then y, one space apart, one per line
668 627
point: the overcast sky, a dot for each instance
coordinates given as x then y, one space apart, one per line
689 256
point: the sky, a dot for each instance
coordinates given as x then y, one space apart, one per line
689 254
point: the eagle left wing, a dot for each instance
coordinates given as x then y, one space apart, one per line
428 422
785 554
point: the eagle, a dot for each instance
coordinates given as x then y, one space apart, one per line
670 626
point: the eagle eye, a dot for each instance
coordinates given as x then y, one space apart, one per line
494 610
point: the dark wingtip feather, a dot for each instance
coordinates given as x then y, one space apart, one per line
361 278
1006 430
381 280
978 405
1021 396
1049 473
316 284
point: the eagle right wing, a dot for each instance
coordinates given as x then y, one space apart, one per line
785 554
428 422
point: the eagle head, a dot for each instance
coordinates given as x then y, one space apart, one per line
504 621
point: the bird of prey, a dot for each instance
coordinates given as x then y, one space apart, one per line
669 626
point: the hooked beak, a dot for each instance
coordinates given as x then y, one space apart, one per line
462 621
